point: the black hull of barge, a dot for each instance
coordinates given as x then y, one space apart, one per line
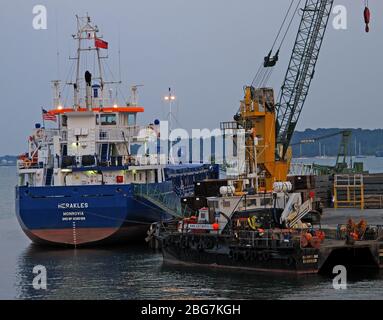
219 253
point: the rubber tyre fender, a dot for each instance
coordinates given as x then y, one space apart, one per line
290 261
254 255
265 256
209 243
236 255
184 243
200 246
247 256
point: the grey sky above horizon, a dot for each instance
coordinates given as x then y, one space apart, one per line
206 50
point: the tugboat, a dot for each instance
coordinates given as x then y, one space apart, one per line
83 182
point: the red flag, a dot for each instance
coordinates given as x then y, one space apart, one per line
100 43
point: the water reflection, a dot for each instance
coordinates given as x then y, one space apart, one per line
136 272
86 273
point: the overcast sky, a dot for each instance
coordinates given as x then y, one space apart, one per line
206 50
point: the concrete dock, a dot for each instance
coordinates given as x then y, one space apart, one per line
333 217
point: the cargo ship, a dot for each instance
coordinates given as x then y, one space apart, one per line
91 179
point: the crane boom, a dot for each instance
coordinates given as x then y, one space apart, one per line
313 25
269 126
315 139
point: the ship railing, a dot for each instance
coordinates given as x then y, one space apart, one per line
21 164
72 161
164 197
166 227
122 134
253 239
152 159
49 134
298 169
371 232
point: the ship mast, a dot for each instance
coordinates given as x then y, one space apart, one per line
86 32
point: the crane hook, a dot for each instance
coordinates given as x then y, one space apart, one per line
367 18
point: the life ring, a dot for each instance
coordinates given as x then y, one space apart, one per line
39 133
27 163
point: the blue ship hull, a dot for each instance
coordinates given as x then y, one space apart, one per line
78 215
90 214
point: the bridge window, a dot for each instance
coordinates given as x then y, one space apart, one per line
107 119
266 201
251 202
131 119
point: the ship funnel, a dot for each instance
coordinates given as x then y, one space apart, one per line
88 97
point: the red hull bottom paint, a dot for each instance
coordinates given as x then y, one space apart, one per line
86 236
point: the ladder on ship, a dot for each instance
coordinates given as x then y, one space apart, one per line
105 152
48 177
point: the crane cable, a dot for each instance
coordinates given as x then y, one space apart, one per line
283 23
367 16
257 75
263 76
289 26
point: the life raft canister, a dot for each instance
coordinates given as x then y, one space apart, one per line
320 234
367 18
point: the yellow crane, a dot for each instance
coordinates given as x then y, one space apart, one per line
269 126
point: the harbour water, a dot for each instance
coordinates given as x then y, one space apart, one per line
371 163
136 272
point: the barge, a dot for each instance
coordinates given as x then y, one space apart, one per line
256 239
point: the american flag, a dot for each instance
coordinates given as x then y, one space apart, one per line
49 116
